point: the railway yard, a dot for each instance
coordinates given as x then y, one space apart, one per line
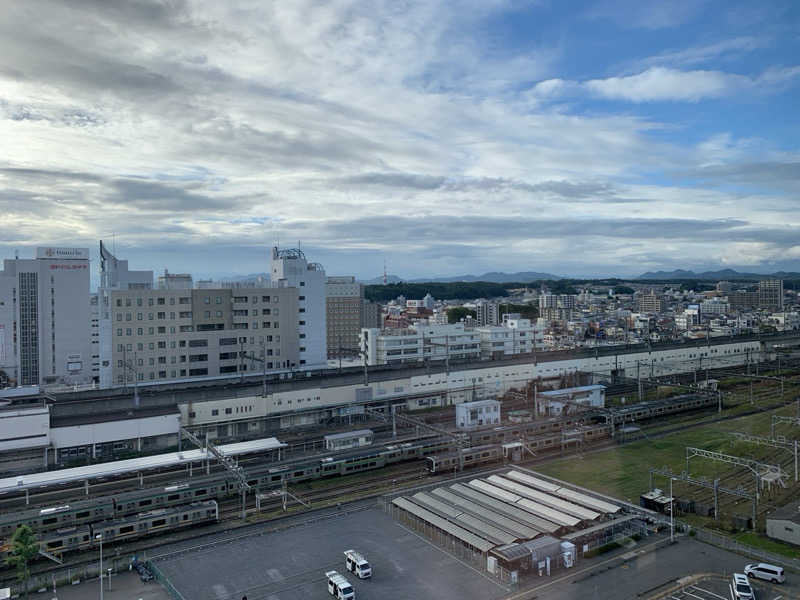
729 456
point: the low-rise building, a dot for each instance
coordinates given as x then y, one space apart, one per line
569 400
477 413
784 524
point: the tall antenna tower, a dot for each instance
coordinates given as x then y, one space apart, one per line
384 272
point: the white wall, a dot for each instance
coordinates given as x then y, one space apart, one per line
112 431
24 428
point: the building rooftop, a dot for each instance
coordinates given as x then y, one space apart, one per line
789 512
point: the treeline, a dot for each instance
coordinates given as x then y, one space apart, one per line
457 290
464 290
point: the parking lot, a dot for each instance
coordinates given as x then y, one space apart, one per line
718 588
291 564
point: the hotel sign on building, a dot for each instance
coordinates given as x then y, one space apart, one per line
63 253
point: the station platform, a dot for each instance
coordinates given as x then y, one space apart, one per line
133 465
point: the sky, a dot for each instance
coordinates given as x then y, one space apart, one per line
582 139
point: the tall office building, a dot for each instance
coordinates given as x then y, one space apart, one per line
770 293
346 313
344 298
44 318
289 268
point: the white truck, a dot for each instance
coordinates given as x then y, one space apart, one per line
357 564
339 587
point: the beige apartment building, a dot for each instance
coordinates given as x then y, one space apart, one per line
168 334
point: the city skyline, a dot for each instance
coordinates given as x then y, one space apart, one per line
440 138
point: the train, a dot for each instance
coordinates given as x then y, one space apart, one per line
542 436
492 453
483 446
215 487
84 537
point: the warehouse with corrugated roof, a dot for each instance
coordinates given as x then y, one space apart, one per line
510 521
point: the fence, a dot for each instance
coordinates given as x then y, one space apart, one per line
74 574
164 581
731 544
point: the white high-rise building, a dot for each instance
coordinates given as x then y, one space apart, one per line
290 268
114 275
44 318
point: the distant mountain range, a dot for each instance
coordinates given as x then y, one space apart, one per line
491 277
722 275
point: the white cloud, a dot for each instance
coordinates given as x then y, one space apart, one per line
208 126
660 83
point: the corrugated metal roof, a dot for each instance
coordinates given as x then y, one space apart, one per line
556 516
544 512
443 524
539 484
510 510
601 527
461 518
522 530
119 467
565 492
446 510
512 552
544 498
600 505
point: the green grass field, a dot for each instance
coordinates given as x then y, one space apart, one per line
623 471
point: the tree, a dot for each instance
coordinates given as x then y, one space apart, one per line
454 315
24 548
623 289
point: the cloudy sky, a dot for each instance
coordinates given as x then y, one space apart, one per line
577 138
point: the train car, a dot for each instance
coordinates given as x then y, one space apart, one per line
57 517
84 537
471 457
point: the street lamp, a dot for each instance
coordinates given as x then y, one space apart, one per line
671 514
99 537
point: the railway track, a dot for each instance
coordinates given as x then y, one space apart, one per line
230 510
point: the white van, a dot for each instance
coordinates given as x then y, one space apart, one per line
357 564
765 571
339 587
740 588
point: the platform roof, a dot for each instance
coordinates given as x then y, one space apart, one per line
564 492
458 532
132 465
550 500
503 508
346 435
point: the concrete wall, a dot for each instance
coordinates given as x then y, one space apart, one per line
784 530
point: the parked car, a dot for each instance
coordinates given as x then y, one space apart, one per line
765 571
740 587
